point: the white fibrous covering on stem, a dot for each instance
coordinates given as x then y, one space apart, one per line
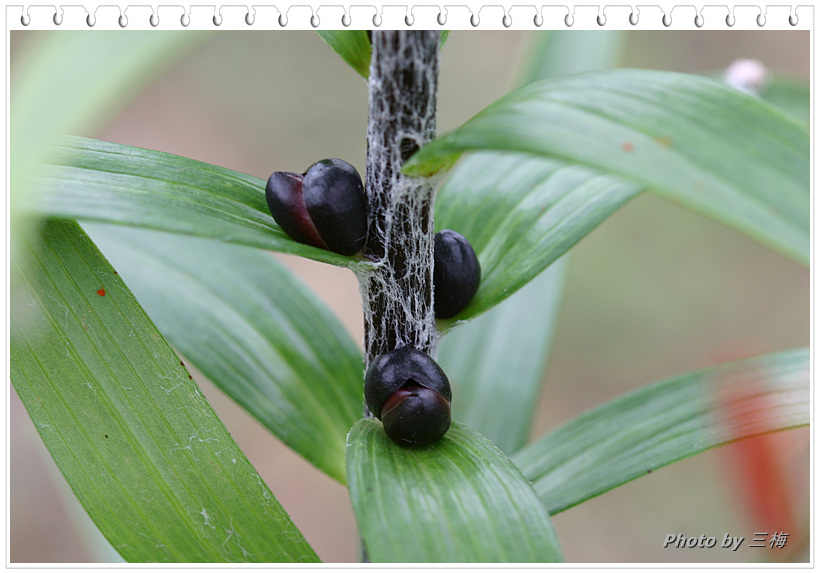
397 297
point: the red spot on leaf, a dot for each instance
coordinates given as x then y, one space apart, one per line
101 292
626 146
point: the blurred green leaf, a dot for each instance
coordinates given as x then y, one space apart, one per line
555 53
253 329
658 424
459 500
690 139
497 361
791 95
98 181
140 446
521 213
352 45
74 82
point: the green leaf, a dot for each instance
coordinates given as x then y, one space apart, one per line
352 45
74 82
97 74
140 446
253 329
791 95
496 362
691 139
666 421
444 35
459 500
98 181
521 213
556 53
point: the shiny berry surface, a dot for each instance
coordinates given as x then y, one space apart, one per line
283 193
325 207
415 416
410 393
337 204
456 273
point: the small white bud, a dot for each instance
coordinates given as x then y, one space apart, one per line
746 75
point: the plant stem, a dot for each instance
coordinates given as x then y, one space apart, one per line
397 297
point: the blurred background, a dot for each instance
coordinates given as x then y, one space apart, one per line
653 292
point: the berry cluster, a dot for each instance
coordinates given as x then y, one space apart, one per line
326 207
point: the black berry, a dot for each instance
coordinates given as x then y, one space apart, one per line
456 273
325 207
411 395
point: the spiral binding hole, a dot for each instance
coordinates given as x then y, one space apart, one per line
667 20
633 18
441 19
314 20
601 19
506 21
793 19
283 20
57 18
569 20
761 19
217 19
409 20
346 20
122 20
474 20
377 20
25 19
250 19
154 20
185 20
730 19
699 20
538 20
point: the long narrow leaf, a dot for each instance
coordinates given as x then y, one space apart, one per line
352 45
460 500
664 422
791 95
140 446
693 140
496 361
556 53
94 180
253 329
521 213
73 81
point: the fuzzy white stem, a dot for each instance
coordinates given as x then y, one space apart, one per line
397 297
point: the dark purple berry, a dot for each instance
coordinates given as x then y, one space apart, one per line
456 273
325 207
287 205
410 394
